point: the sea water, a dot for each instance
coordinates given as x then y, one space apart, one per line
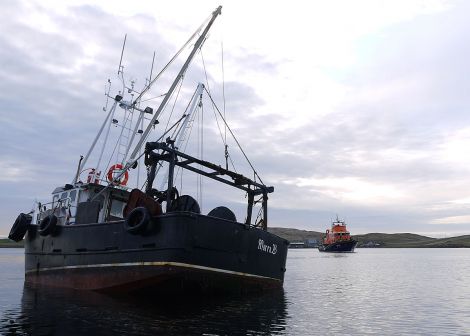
370 292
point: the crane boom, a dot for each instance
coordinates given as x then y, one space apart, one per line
197 45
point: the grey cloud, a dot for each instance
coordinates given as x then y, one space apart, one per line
255 62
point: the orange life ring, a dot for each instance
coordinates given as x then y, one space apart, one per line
111 170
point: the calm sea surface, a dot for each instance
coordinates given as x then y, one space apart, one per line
372 291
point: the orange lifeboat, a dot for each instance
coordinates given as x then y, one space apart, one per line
338 239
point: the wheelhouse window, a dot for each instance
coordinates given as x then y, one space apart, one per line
73 195
55 198
117 208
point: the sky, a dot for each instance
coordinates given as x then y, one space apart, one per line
352 108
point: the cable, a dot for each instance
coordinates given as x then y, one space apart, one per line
172 59
151 98
233 135
174 103
224 139
223 88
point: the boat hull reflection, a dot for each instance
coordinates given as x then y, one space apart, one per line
49 311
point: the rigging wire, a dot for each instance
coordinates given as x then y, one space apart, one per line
112 154
202 152
259 216
151 98
224 140
177 130
191 124
223 96
233 135
174 103
172 59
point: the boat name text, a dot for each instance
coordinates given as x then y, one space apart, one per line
267 248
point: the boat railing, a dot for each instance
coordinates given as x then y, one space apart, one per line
61 208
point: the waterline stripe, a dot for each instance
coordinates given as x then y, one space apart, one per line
154 263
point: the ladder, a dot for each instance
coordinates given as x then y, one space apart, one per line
124 136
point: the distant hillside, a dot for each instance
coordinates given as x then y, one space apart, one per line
378 239
460 241
394 239
295 235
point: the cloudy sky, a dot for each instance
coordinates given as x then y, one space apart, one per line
355 108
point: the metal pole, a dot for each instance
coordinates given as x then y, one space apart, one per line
265 211
250 208
171 169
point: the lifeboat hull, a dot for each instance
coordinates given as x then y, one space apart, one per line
341 246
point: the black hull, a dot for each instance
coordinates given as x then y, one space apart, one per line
183 251
341 246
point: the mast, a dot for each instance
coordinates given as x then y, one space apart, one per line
197 45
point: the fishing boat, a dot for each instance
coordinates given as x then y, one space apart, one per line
338 239
100 234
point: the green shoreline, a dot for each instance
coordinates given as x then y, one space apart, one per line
375 240
7 243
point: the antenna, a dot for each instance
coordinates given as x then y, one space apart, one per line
151 69
122 53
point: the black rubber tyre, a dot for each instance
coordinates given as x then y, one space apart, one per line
185 203
19 228
224 213
137 221
47 225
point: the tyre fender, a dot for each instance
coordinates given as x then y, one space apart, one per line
137 221
47 225
19 228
